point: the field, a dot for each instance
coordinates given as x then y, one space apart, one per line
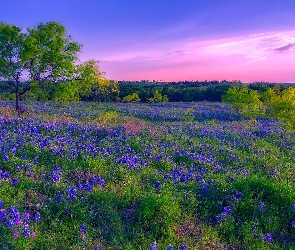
144 176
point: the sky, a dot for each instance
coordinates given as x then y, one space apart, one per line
174 40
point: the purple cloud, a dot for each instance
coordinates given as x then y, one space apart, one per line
285 47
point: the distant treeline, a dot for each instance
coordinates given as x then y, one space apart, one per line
145 91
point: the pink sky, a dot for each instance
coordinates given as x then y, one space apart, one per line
257 57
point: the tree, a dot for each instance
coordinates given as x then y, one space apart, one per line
42 53
93 81
245 100
131 98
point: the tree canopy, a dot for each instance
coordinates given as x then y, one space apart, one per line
46 53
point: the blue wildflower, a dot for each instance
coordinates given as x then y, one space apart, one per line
15 181
59 197
262 207
154 246
36 161
26 231
1 204
158 185
26 218
183 247
170 247
72 193
267 238
3 215
37 217
83 228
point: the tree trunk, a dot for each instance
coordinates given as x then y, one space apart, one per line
17 101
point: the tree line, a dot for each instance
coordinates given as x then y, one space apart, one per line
42 63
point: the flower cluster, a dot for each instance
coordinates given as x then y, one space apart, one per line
16 221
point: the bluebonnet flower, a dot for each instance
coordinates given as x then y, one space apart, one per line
1 204
3 215
37 217
267 238
154 246
13 150
10 223
15 181
56 175
170 247
26 231
293 207
30 174
88 187
97 248
5 175
5 248
83 228
293 223
6 158
26 218
239 195
72 193
36 161
204 189
158 184
13 213
59 197
262 207
183 247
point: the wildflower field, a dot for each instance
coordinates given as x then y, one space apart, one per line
144 176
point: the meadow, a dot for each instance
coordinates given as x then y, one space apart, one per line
144 176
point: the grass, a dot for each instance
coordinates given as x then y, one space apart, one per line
124 176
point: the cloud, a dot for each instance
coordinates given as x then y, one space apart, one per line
285 48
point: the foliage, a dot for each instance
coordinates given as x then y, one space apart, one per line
273 103
131 98
158 97
136 176
244 100
44 52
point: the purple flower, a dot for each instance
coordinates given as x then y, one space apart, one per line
59 197
15 234
26 231
154 246
170 247
267 238
97 248
158 184
293 207
1 204
6 158
15 181
72 193
183 247
26 218
10 223
36 161
262 207
83 228
3 215
37 217
56 175
13 213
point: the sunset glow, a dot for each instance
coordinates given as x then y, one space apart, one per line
163 40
